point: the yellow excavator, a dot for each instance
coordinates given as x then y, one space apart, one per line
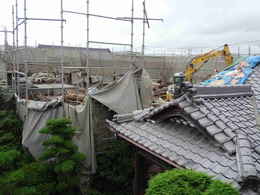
199 61
195 65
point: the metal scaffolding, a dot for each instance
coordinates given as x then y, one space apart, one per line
24 20
88 14
124 19
18 21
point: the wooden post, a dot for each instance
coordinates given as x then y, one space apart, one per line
139 179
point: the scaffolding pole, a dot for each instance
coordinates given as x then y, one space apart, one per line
17 78
6 31
25 56
132 32
87 56
61 47
13 49
95 15
43 19
110 43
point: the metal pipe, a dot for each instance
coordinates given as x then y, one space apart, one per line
43 19
95 15
13 50
139 18
61 48
87 56
73 12
18 24
143 28
109 43
107 17
132 31
17 44
25 52
6 31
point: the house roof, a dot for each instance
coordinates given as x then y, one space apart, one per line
209 129
254 81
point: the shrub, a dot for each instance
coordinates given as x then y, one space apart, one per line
62 155
57 171
187 182
220 188
115 169
32 179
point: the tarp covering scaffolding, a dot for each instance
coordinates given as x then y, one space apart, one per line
132 92
236 74
40 112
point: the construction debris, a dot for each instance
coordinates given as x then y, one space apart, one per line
41 77
74 96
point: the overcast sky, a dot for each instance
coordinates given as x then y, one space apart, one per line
187 23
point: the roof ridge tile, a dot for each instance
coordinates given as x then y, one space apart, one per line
246 164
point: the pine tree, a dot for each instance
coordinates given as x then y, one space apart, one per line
62 155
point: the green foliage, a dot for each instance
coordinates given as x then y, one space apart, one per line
94 192
187 182
12 154
9 121
56 173
33 178
9 159
10 130
115 169
62 155
220 188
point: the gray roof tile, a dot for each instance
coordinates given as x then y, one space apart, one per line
230 147
220 124
191 109
213 130
228 124
197 115
205 122
229 132
212 117
221 138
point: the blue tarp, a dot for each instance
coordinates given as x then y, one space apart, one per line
236 74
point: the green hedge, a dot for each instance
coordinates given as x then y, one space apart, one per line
187 182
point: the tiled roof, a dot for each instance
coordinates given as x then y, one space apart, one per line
214 132
254 81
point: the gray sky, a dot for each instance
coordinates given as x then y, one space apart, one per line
187 23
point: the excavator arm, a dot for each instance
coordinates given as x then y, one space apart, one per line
200 60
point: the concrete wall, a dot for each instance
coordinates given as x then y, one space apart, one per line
159 67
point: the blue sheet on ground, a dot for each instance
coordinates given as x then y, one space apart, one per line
236 74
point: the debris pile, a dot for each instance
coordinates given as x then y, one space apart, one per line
73 96
40 97
42 77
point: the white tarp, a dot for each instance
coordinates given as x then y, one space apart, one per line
40 112
132 92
